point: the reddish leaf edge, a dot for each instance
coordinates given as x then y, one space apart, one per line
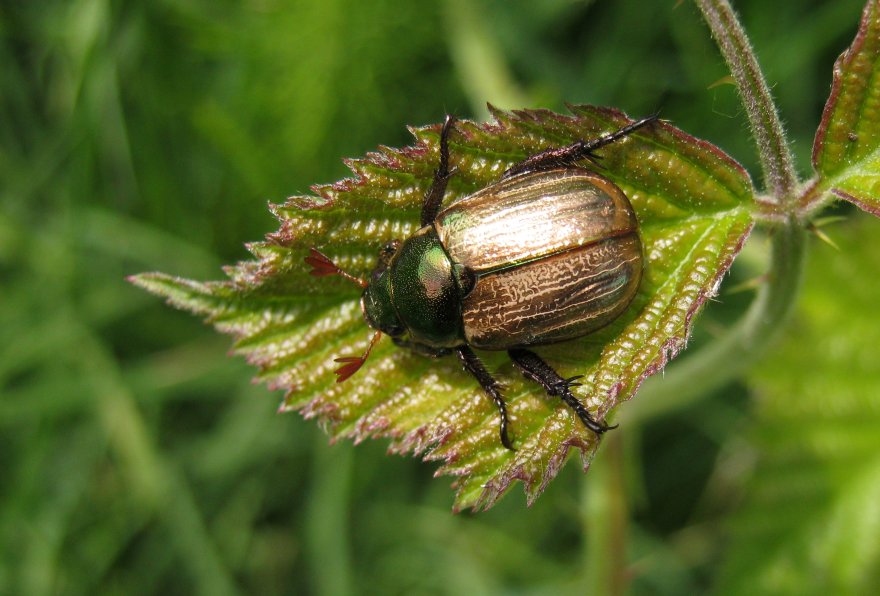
873 209
816 192
430 446
493 491
324 194
420 444
844 60
418 441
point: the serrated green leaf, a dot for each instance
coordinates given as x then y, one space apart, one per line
846 152
810 520
694 206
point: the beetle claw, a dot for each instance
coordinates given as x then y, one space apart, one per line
505 440
565 384
603 428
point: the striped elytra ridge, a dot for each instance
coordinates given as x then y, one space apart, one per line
555 254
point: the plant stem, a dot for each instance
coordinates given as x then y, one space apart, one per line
728 357
605 515
780 177
327 531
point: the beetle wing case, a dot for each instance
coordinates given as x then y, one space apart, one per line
556 256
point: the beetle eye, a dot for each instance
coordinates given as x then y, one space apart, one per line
394 331
386 253
389 250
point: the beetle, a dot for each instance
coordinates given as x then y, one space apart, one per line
548 253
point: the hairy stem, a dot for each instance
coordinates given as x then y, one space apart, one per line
773 148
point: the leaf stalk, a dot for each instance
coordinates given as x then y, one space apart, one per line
774 150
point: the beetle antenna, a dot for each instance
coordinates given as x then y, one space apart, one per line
351 364
322 265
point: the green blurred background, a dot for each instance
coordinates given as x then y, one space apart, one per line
137 458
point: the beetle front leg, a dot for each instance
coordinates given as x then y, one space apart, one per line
473 365
534 368
434 198
577 151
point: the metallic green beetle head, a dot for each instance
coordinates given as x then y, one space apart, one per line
413 296
413 292
377 307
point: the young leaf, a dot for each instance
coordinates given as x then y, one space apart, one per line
694 206
809 522
846 152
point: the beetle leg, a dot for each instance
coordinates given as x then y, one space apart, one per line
577 151
434 198
473 365
534 368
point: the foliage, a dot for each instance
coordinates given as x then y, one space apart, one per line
148 136
845 154
809 522
692 204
